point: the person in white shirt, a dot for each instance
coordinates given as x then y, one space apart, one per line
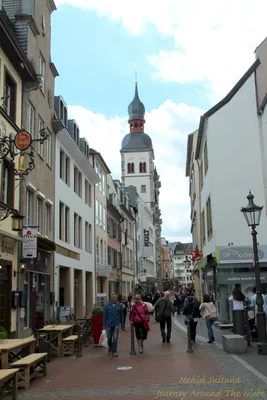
238 299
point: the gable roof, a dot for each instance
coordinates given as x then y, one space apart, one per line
222 103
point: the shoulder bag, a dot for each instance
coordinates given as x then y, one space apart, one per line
145 323
159 317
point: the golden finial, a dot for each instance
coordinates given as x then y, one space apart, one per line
23 128
136 81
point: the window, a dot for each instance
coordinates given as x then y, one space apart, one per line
42 71
88 193
209 219
40 145
10 96
77 182
61 221
143 188
47 219
104 219
97 212
48 149
29 205
80 233
67 224
88 237
142 167
39 214
201 176
64 168
8 180
206 163
100 215
130 168
31 120
76 230
203 230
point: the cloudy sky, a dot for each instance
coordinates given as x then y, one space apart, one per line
188 54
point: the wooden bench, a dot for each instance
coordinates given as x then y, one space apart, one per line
30 367
9 383
69 344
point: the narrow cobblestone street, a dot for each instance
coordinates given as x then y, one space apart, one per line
164 370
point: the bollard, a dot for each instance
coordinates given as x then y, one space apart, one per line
79 343
189 345
132 353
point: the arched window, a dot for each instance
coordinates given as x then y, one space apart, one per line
142 167
129 168
132 168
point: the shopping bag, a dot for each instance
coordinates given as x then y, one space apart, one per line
146 326
103 341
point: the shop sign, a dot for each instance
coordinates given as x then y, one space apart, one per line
29 246
239 254
104 270
7 245
22 140
238 278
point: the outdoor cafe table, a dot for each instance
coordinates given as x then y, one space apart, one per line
55 335
9 345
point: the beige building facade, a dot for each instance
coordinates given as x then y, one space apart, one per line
32 22
101 235
12 77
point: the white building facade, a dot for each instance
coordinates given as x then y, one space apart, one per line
75 181
228 154
138 170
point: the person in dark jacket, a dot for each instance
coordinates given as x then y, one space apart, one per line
191 310
164 307
112 319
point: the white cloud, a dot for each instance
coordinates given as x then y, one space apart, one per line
213 41
169 141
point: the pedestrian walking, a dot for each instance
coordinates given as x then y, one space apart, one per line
209 313
112 319
192 312
124 309
164 310
138 317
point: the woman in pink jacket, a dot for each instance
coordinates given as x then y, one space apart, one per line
138 315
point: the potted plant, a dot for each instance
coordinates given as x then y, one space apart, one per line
97 323
3 334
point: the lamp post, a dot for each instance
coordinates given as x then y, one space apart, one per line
252 215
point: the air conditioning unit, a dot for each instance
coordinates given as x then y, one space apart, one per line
40 81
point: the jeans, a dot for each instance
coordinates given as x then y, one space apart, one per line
193 330
168 321
112 334
209 324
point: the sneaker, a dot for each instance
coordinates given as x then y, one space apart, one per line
209 341
141 350
114 354
163 340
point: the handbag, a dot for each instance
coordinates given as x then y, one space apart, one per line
145 323
213 314
160 317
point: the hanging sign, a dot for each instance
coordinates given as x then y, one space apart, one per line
29 246
22 140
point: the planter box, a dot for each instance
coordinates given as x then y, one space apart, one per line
97 326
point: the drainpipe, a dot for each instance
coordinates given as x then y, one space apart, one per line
263 161
199 199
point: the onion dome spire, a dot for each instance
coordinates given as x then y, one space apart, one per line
136 109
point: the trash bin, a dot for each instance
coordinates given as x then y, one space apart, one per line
239 322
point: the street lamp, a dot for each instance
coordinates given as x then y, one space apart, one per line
252 214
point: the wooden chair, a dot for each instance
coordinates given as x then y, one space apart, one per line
69 345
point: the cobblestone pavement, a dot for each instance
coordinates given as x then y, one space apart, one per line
162 371
257 362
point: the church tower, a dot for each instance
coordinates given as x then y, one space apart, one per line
137 155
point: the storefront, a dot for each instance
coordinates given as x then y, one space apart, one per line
38 290
235 269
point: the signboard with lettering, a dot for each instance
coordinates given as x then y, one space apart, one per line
241 277
239 254
22 140
29 246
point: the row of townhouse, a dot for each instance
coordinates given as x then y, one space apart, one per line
84 234
226 158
